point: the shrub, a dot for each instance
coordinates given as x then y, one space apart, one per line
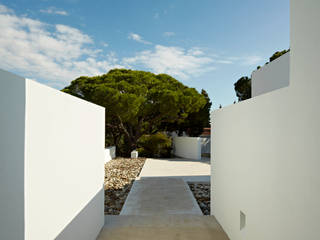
156 145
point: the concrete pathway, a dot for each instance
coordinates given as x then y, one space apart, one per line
160 205
169 227
152 196
187 169
161 187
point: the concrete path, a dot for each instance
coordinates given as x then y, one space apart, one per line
152 196
161 187
187 169
169 227
161 206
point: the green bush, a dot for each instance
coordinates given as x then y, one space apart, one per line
156 145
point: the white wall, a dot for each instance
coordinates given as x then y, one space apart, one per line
64 170
12 109
266 164
110 153
52 163
272 76
187 147
205 145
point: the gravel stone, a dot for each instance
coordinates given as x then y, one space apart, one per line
201 192
119 176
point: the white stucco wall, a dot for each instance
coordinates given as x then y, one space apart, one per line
266 164
187 147
272 76
64 168
52 163
110 153
12 118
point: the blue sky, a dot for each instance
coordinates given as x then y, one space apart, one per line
205 44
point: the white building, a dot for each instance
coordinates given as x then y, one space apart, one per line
267 186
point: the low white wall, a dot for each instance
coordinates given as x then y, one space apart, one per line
266 163
52 163
110 153
205 145
187 147
272 76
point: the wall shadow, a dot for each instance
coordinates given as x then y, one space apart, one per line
88 223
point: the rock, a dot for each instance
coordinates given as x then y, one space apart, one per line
201 192
119 176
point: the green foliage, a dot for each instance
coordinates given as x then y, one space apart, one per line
136 103
243 88
195 122
156 145
278 54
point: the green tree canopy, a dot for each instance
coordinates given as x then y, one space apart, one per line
243 88
195 122
137 103
278 54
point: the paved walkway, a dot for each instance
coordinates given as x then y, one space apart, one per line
161 187
169 227
187 169
160 205
153 196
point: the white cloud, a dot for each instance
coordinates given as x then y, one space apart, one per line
195 51
4 9
168 34
223 61
247 60
138 38
105 44
59 53
175 61
54 11
252 60
54 53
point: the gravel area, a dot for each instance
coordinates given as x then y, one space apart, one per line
201 192
119 176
